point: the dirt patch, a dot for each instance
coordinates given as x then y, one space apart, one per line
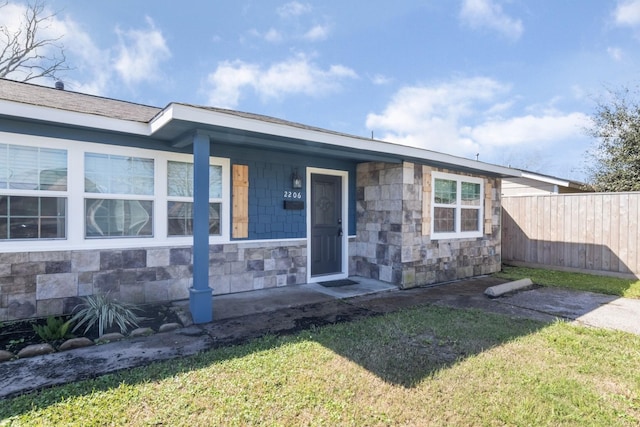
16 335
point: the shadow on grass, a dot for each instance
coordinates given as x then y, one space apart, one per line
402 348
406 347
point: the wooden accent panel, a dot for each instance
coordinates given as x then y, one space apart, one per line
240 203
592 231
426 201
488 212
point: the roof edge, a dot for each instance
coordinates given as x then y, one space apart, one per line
291 130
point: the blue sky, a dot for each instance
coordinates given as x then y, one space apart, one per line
514 81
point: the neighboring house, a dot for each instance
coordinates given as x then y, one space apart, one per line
156 204
534 184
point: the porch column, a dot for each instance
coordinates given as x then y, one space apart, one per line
200 294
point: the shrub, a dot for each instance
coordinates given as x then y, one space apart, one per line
55 329
104 311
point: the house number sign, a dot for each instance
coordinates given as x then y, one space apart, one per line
292 194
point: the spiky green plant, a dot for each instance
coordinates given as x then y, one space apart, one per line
55 329
103 310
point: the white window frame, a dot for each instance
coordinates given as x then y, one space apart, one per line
76 195
38 193
458 206
219 200
119 196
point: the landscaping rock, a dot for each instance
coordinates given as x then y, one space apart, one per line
75 343
141 332
6 355
185 317
112 337
35 350
169 327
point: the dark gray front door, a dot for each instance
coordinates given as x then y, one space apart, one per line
326 224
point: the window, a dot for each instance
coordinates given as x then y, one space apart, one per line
180 199
457 206
33 185
102 196
126 188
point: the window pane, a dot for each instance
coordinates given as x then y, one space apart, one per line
51 228
4 167
52 206
118 218
470 219
445 191
118 174
470 194
32 217
180 180
215 182
4 206
180 218
33 168
53 169
23 167
23 228
444 220
23 206
214 219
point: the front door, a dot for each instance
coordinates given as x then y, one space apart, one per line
326 224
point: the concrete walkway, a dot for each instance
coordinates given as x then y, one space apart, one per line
241 317
586 308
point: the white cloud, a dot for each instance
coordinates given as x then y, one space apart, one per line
297 75
615 53
466 116
228 81
317 33
430 116
627 13
529 129
379 79
273 36
140 53
135 59
478 14
293 8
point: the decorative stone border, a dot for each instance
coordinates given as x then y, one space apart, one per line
34 350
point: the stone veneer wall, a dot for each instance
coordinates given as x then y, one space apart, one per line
391 245
34 284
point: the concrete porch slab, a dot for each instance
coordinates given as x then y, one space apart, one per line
273 299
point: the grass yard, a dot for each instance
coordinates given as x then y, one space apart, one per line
578 281
426 366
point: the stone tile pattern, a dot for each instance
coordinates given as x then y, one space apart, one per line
393 226
50 283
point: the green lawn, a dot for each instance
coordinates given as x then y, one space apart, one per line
425 366
583 282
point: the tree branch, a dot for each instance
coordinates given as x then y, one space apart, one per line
23 52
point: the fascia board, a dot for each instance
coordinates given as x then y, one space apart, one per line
547 179
215 118
71 118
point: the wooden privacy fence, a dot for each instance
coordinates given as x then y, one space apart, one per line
588 231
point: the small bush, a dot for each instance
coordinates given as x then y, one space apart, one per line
55 329
105 312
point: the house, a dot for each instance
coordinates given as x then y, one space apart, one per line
155 204
537 184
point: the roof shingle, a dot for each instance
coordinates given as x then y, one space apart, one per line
28 93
